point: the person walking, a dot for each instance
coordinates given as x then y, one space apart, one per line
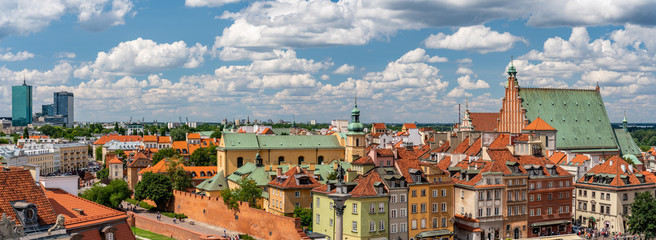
159 216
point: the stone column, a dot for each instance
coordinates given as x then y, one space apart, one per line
339 225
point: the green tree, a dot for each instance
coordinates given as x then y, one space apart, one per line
111 195
332 176
116 127
246 192
179 134
643 216
305 214
102 174
4 141
205 156
179 177
99 153
26 133
156 187
216 134
163 153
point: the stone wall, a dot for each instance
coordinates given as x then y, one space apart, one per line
166 229
254 222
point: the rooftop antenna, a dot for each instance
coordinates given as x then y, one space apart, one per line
24 79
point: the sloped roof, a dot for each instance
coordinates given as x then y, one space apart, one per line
150 138
365 160
578 159
626 143
409 125
193 135
379 126
250 171
121 138
539 125
579 116
94 214
252 141
442 148
558 158
614 168
215 183
502 141
474 149
484 122
164 139
16 184
291 179
365 187
114 160
542 161
385 152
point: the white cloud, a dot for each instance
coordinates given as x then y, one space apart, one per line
65 55
325 77
208 3
236 54
590 13
475 38
458 93
286 61
22 17
419 55
142 56
465 61
59 74
464 71
465 82
6 55
344 69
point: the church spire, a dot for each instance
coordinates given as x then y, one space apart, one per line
625 123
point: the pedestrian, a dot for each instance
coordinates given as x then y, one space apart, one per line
174 220
159 216
224 232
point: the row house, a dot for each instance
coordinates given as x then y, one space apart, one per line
604 194
292 190
398 201
109 137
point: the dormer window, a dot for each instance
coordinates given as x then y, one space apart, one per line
27 213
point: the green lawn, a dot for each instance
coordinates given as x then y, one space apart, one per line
150 235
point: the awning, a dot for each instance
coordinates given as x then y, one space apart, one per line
434 233
548 223
467 227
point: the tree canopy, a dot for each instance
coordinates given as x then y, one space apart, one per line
180 179
111 195
216 134
247 192
643 216
163 153
102 174
305 214
205 156
99 153
156 187
179 134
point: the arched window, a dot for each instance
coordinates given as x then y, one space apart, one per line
357 142
320 160
240 161
193 174
209 174
202 174
300 160
281 160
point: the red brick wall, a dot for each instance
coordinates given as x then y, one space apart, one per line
554 203
165 229
254 222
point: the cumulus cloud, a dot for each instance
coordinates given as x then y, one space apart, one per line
59 74
475 38
208 3
65 55
464 71
465 82
143 56
22 17
344 69
6 55
286 61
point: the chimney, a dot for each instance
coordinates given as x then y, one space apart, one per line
311 169
350 175
279 171
267 168
335 165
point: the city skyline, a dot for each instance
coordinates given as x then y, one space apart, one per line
411 62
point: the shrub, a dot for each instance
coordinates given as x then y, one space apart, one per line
146 206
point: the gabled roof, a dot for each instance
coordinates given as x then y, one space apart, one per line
579 159
474 149
613 172
385 152
522 138
365 160
121 138
627 144
539 125
150 138
484 122
579 116
292 179
94 214
193 135
164 139
502 141
114 160
409 125
442 148
558 158
366 185
16 184
379 126
215 183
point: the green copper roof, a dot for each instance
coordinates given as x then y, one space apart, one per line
626 143
579 116
244 141
216 183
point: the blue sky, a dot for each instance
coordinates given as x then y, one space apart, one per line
408 61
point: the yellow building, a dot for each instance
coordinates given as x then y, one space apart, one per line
291 190
355 138
45 159
73 156
236 149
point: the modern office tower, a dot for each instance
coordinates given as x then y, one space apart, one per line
48 110
64 106
21 105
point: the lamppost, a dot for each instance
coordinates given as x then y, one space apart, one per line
339 198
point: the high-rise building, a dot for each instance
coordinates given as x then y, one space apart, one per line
64 106
48 110
21 105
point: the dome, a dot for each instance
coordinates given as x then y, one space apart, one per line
355 126
355 110
511 70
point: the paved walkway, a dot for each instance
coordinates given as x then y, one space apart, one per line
196 227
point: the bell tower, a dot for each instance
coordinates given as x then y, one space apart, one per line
355 141
511 115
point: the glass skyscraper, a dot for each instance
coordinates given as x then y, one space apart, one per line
21 105
64 106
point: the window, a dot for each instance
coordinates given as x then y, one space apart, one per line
372 208
539 211
567 209
297 204
355 208
404 212
434 222
625 197
549 196
593 194
549 185
331 206
592 207
539 197
372 226
510 212
297 194
423 207
414 208
413 224
393 228
403 227
444 222
434 193
510 196
423 192
549 211
392 198
330 222
480 212
560 210
414 193
381 225
496 211
560 195
423 223
497 194
531 198
580 192
109 236
403 198
530 212
489 195
539 185
434 207
355 226
462 193
381 207
393 213
318 217
532 186
489 212
443 192
481 195
443 207
523 209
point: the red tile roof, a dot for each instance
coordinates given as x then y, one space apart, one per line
502 141
94 214
522 138
290 179
484 122
193 135
150 138
613 167
365 187
162 167
409 125
474 149
539 125
558 158
385 152
462 147
114 160
366 160
16 184
121 138
164 139
442 148
579 159
379 126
